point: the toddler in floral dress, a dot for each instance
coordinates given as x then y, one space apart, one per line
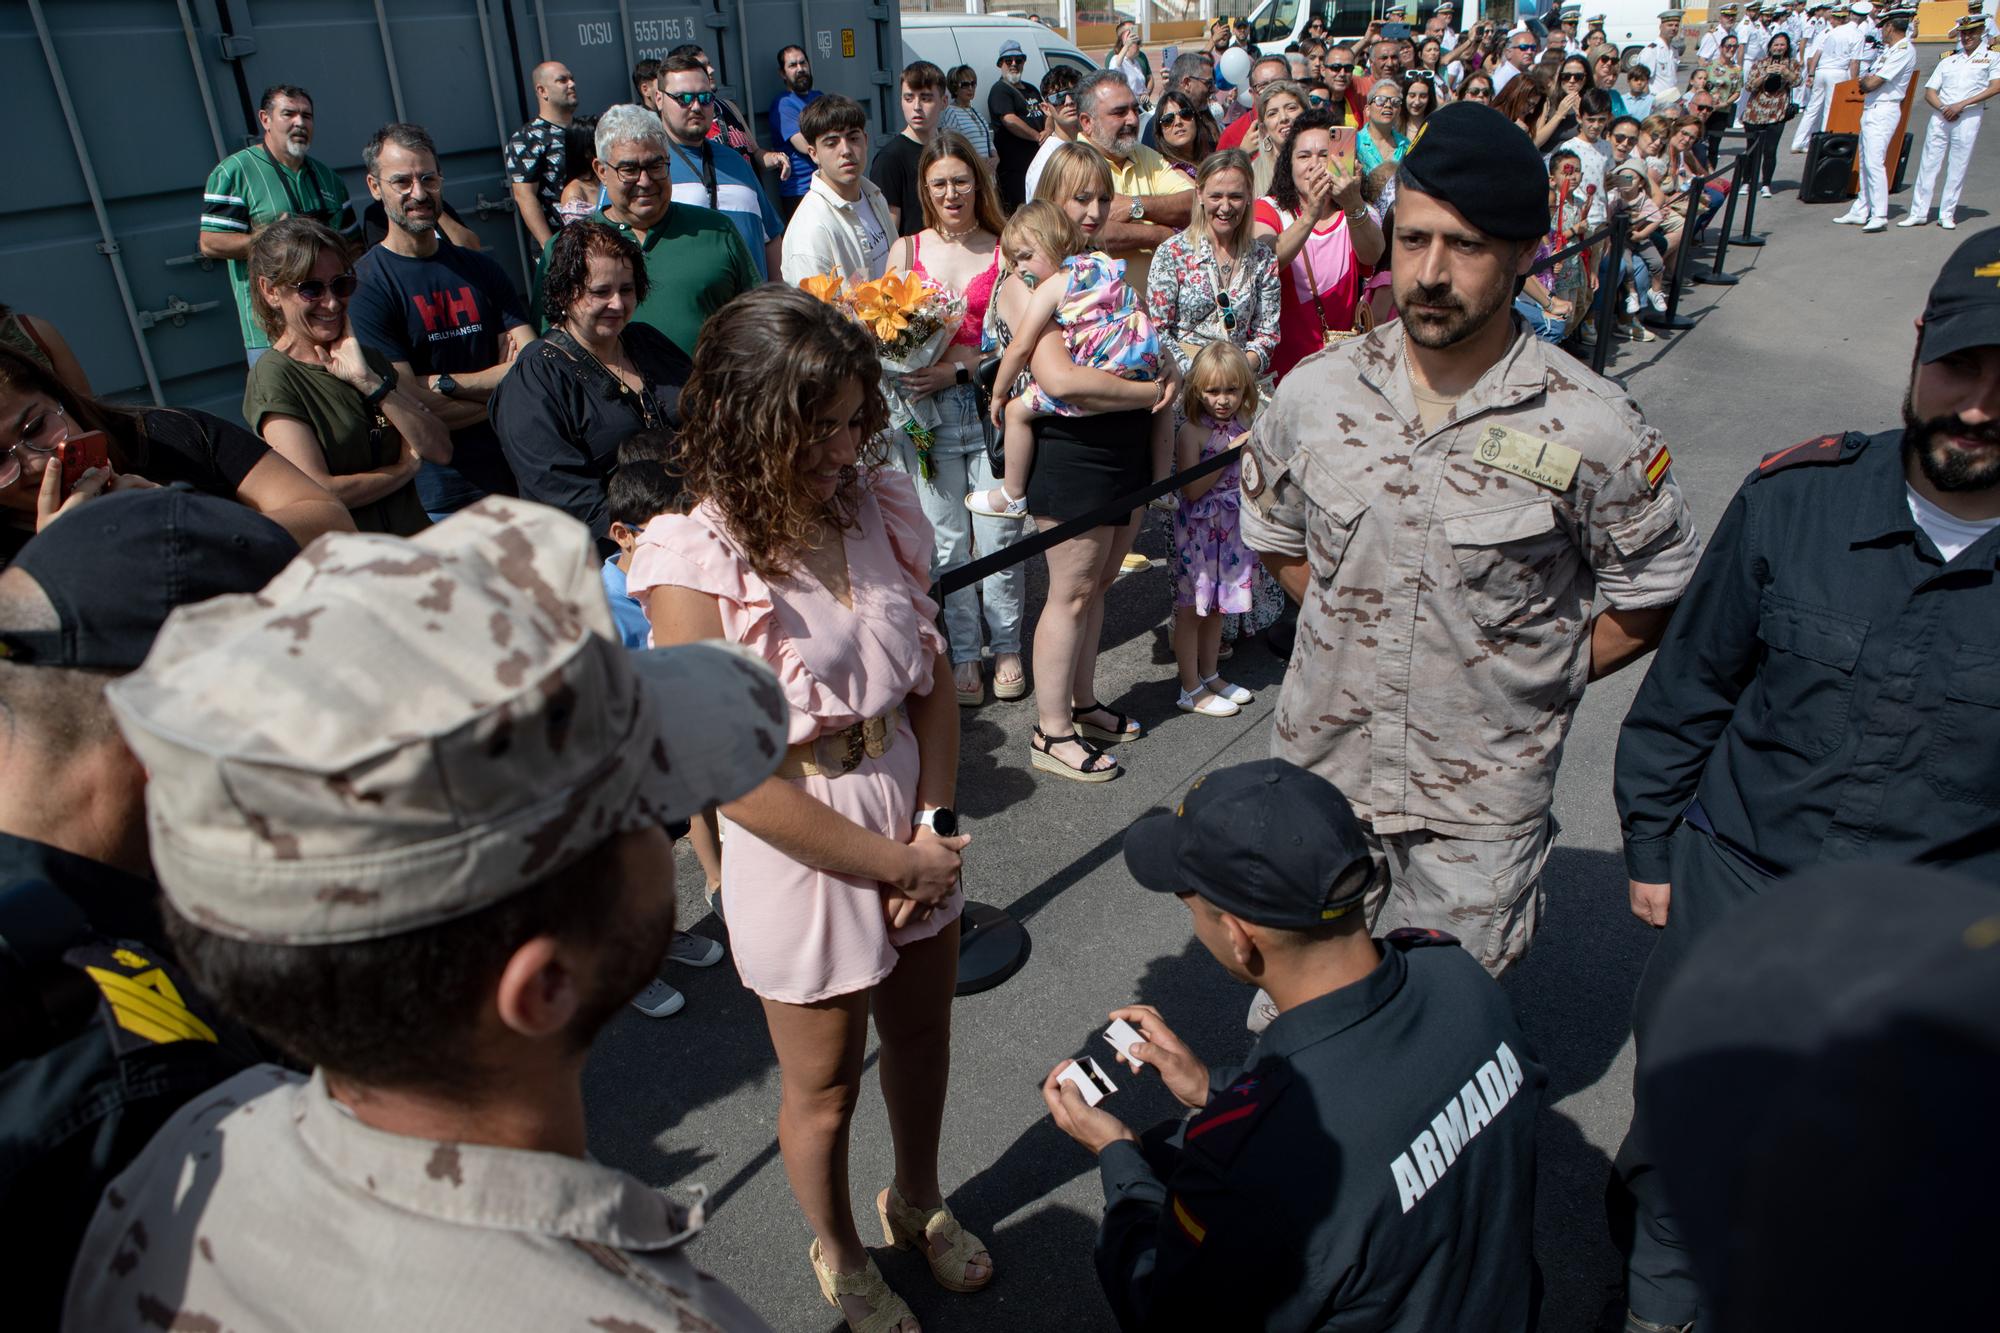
1213 568
1104 324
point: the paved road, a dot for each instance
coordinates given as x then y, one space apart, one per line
1817 337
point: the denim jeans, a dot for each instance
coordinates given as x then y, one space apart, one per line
1540 322
959 465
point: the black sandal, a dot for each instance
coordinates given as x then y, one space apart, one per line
1097 765
1125 731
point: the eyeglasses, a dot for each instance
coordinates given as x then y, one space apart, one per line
629 172
43 424
342 285
1168 119
693 99
429 180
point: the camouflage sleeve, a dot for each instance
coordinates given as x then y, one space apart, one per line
1274 509
1639 533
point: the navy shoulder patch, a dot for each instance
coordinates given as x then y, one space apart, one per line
1825 449
145 1000
1417 937
1219 1130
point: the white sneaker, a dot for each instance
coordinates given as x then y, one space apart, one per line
694 950
659 1000
996 503
1913 220
1949 224
1658 300
1632 302
1208 705
1876 224
1236 694
1763 192
1851 218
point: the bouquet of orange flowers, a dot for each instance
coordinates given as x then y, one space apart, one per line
912 319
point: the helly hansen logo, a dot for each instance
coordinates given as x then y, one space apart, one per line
1478 1103
447 310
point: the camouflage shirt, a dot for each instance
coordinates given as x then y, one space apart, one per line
265 1204
1444 639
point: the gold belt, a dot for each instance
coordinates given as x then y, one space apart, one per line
836 753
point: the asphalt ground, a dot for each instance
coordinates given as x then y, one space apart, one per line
1816 337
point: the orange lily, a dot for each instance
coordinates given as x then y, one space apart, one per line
823 286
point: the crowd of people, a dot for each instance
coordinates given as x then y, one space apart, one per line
346 750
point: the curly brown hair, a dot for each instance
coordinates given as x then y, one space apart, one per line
569 265
764 365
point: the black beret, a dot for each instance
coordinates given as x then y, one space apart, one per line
1485 166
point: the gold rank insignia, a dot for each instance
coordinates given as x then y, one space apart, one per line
1543 462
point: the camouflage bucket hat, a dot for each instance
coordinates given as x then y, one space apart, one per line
395 733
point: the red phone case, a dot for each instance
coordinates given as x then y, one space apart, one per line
80 453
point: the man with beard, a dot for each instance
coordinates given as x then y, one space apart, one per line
796 67
1152 200
446 317
1014 109
264 182
408 810
1474 526
1829 692
535 157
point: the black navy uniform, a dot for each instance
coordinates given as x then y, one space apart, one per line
105 1041
1829 690
1372 1166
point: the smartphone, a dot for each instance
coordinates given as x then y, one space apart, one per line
1395 32
80 453
1343 150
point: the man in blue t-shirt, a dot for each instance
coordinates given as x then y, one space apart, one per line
799 93
709 175
446 317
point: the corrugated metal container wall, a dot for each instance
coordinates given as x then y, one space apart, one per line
121 108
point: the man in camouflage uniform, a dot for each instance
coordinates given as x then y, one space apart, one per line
407 806
1474 526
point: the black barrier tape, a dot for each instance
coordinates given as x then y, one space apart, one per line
1117 511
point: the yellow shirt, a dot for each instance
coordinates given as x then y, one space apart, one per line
1144 173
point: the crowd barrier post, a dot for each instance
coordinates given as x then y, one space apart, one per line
1754 155
1715 277
1611 273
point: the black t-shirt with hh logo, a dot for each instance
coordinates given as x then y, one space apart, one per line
448 314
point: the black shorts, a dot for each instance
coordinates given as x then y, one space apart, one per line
1084 463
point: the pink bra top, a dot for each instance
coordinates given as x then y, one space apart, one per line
978 294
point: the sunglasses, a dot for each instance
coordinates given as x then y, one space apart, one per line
1385 101
693 99
1059 99
1316 101
966 83
342 285
1169 119
1228 311
1625 140
1574 76
1478 94
1340 67
1528 47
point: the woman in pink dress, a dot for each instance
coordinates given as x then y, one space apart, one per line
839 874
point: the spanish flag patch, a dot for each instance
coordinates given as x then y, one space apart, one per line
1658 467
1196 1232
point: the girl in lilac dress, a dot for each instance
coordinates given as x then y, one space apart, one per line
1213 569
839 873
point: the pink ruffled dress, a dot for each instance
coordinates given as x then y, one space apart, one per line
800 934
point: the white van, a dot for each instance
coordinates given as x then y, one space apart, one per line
974 39
1275 24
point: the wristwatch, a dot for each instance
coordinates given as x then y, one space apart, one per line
382 390
1138 213
447 386
942 821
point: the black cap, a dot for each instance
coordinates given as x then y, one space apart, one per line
1268 842
1964 306
1817 1089
115 567
1484 165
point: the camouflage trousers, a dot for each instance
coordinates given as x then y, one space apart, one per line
1486 894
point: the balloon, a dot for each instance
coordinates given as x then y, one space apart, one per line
1235 65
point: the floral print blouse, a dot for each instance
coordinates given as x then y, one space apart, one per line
1768 108
1182 295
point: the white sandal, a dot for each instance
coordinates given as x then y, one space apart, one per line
996 503
1236 694
1206 703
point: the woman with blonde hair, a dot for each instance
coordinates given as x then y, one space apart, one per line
959 249
1215 280
842 869
1279 103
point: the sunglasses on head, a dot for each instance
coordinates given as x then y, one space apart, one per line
341 285
693 99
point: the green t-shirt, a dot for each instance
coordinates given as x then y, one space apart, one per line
250 188
347 431
696 262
